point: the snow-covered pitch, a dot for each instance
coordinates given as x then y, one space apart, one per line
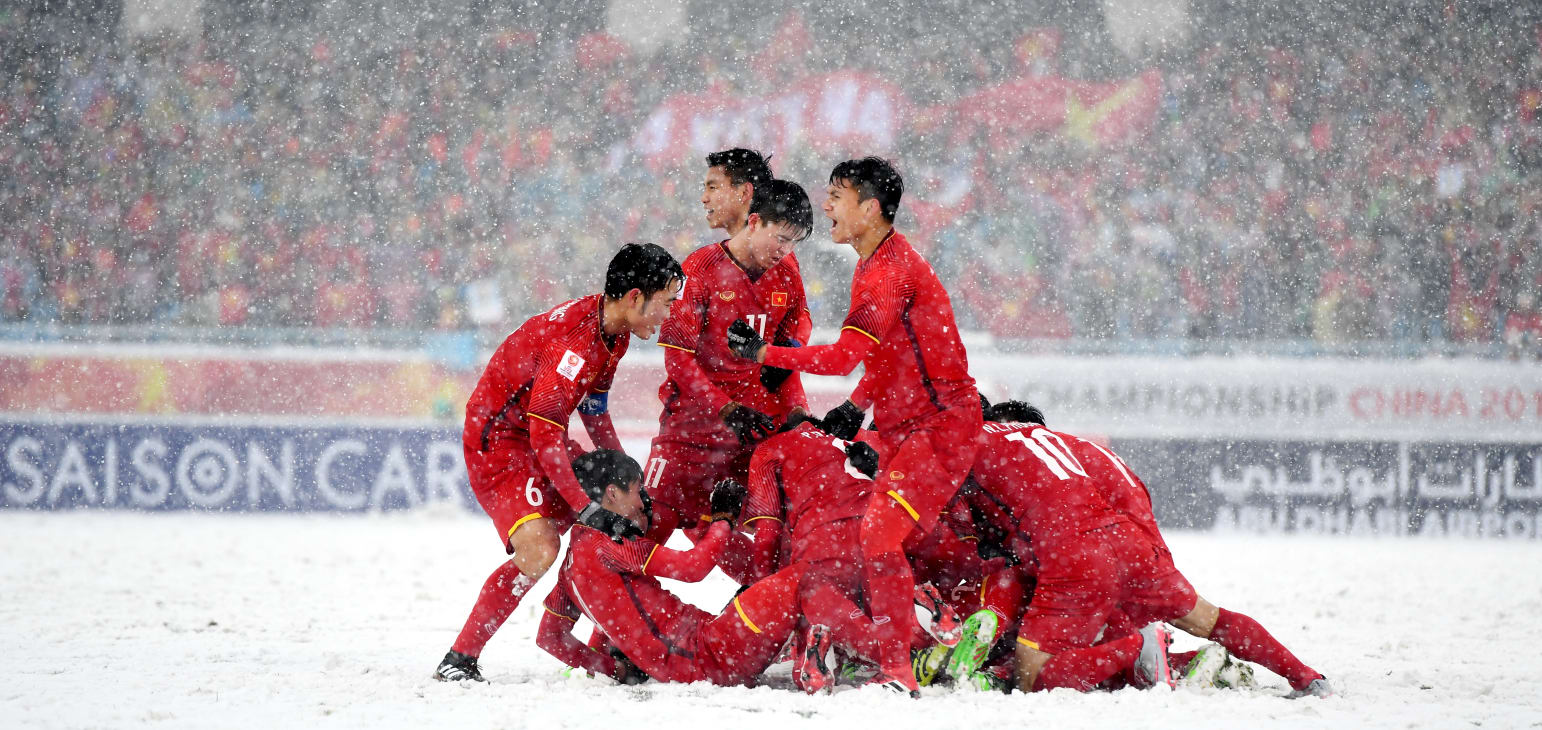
113 619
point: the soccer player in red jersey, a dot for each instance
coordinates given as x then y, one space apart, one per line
1095 559
927 411
807 494
615 584
716 406
515 439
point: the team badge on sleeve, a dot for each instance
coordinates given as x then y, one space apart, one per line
571 364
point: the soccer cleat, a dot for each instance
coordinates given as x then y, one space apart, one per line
1319 687
936 616
458 667
812 672
1237 674
927 663
1151 666
982 681
898 682
1204 670
974 645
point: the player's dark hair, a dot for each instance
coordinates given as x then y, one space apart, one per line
872 178
1015 411
784 202
601 468
646 267
742 165
985 406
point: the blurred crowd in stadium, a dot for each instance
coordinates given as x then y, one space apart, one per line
1313 181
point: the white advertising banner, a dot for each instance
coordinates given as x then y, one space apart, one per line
1251 398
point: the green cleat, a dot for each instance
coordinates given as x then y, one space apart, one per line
1204 670
1236 674
979 635
927 663
982 682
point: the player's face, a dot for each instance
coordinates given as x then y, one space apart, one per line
725 202
770 242
848 220
645 314
628 504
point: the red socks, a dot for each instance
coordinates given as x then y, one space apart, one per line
1248 641
1084 669
500 595
891 587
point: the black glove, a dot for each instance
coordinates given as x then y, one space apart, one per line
614 526
747 423
843 421
743 340
626 671
772 377
728 500
863 457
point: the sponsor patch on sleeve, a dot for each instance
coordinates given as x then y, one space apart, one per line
570 365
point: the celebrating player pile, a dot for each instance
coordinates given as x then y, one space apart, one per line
1045 541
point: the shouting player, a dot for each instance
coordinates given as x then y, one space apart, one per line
516 443
1095 558
716 406
614 582
925 406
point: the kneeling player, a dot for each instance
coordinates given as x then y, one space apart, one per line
1095 559
614 582
806 501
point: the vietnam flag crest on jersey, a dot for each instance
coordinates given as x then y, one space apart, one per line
778 299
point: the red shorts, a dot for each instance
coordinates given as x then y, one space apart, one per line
679 476
513 490
1086 577
927 465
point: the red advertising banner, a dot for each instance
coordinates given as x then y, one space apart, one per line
845 110
853 110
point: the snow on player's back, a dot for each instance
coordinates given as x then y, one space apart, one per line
1033 473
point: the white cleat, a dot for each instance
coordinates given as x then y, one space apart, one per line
1319 687
1151 666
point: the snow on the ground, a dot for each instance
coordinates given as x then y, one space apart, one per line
185 620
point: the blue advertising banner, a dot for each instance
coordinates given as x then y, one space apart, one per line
1386 488
159 466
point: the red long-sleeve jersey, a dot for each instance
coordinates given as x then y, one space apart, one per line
703 374
901 327
802 479
535 380
1036 479
617 587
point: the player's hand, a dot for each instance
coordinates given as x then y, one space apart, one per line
743 340
863 457
728 500
747 423
772 377
614 526
626 671
843 421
